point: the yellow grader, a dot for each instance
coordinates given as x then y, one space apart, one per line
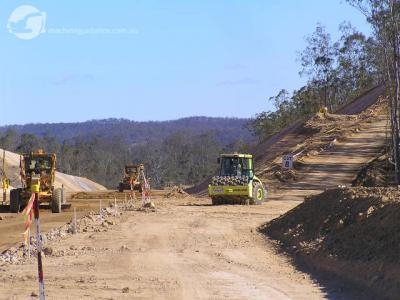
37 167
132 179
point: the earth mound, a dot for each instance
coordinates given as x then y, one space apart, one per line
352 233
378 172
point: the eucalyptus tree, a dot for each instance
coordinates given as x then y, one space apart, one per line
384 16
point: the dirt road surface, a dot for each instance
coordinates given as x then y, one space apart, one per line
185 249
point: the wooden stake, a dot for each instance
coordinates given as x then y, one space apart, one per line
39 247
101 215
74 231
29 244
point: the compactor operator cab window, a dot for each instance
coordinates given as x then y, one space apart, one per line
236 166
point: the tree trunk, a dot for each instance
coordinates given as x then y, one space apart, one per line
395 102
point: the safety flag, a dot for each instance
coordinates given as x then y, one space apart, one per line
28 213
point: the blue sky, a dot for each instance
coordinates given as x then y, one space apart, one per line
157 60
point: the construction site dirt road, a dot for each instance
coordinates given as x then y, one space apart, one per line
185 248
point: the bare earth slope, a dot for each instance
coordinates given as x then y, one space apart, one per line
363 102
333 154
286 141
340 162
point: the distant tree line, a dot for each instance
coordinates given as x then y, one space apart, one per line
182 158
337 72
224 129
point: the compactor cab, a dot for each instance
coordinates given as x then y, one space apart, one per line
236 165
236 182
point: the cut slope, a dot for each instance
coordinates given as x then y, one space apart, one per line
362 102
340 146
70 183
293 140
296 133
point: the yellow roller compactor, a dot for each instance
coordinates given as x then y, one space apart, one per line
236 182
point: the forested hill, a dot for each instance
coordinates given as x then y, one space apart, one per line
226 130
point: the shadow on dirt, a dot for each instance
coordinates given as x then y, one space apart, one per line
4 208
196 204
335 287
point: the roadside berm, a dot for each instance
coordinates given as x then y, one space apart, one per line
348 233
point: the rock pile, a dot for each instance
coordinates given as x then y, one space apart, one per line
93 222
176 192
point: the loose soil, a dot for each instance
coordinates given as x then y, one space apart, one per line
351 233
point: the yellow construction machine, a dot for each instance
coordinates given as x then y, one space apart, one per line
236 182
132 178
38 167
5 181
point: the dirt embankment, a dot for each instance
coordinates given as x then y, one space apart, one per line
351 233
333 155
362 102
308 136
378 172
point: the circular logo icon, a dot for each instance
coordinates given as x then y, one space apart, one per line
26 22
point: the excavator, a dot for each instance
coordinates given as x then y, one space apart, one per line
236 182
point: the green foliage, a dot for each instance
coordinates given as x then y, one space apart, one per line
27 143
182 151
9 139
181 158
336 71
132 132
